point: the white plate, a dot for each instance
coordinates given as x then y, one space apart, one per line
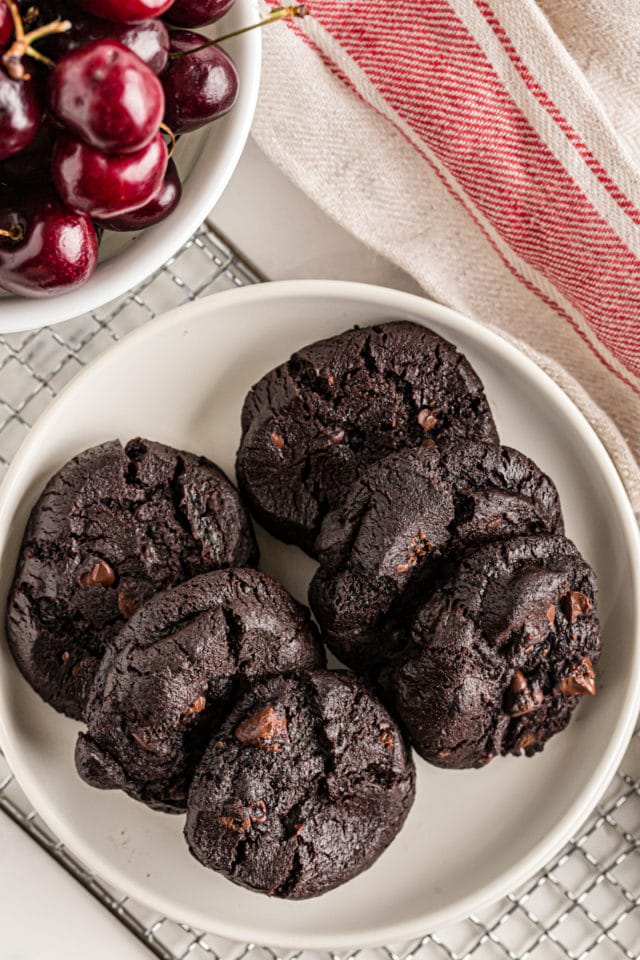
472 835
205 159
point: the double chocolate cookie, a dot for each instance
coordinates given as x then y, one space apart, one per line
383 548
113 527
169 677
307 783
311 425
501 654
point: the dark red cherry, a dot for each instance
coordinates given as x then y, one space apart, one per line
57 249
33 164
197 13
198 87
149 40
156 210
125 11
106 96
20 113
105 185
6 25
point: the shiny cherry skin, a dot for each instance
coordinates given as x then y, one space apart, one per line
199 87
149 39
6 25
197 13
156 210
125 11
20 114
33 164
106 96
103 185
58 252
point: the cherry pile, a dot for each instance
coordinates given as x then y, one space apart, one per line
93 94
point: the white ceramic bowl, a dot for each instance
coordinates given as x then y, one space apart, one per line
472 835
206 160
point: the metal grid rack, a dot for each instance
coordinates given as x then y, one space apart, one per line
584 904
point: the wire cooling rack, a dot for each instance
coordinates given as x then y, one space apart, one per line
584 904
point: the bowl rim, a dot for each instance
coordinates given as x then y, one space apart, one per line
154 247
399 303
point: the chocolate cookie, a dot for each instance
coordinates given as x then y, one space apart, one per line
171 674
501 654
307 783
113 527
310 425
382 549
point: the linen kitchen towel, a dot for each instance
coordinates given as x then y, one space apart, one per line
490 148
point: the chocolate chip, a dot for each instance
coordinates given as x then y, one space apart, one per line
100 575
573 604
526 740
127 605
266 729
232 823
142 742
196 707
421 545
387 737
520 699
277 440
427 420
245 816
79 667
580 681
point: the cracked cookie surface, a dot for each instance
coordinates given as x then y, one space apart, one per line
113 527
310 425
383 548
308 782
501 654
173 671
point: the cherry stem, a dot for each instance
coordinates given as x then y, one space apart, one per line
56 26
17 19
172 137
15 233
40 57
22 44
280 13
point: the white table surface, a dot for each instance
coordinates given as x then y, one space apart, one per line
45 914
